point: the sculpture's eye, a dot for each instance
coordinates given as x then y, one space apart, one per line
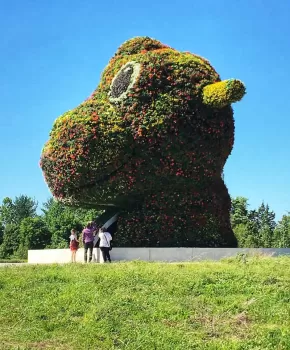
124 81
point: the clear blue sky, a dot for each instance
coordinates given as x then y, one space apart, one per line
53 52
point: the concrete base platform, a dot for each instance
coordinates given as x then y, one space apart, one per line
48 256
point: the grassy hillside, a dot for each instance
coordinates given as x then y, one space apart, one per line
234 304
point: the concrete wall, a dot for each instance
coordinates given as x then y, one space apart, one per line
47 256
50 256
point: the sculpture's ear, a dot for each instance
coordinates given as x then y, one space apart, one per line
223 93
140 44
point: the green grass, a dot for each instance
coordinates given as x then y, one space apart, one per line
231 304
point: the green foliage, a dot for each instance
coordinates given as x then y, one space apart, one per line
257 228
245 236
13 211
34 234
237 304
24 207
60 219
266 217
25 230
282 232
1 232
253 228
239 211
21 252
7 211
11 240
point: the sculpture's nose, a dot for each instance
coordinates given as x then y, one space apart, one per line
82 149
223 93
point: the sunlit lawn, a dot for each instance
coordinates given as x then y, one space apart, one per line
208 305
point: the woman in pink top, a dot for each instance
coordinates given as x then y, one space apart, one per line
88 240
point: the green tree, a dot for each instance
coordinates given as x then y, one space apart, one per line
6 211
253 228
11 240
264 224
239 211
282 232
1 232
241 224
60 219
246 236
13 211
24 207
266 216
34 234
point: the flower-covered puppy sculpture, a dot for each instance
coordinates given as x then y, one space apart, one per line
150 142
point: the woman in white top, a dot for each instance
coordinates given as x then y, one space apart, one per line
105 244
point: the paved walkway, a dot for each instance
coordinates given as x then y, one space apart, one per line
12 264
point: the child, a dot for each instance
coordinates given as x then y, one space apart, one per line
74 245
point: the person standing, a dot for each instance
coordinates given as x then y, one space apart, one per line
105 244
88 240
74 245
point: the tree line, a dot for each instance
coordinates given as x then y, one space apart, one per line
257 228
21 228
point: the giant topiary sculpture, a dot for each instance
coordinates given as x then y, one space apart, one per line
152 141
